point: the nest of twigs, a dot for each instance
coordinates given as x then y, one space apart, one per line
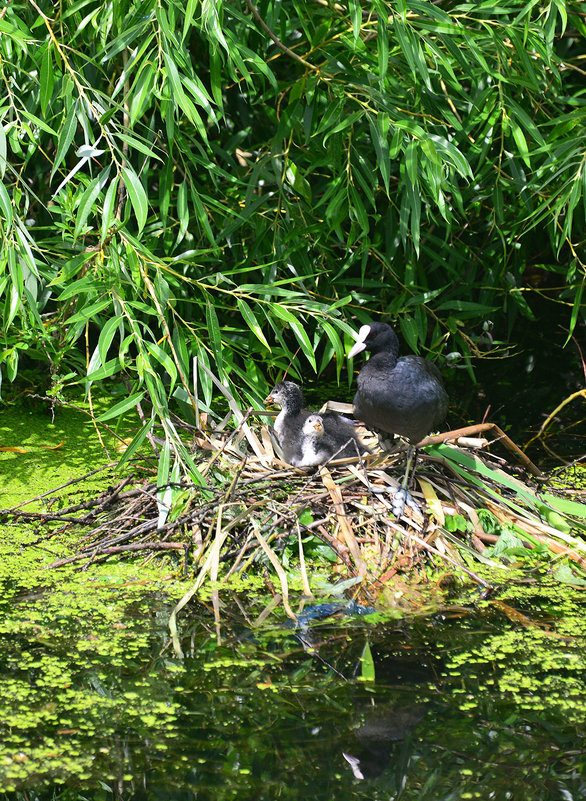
249 503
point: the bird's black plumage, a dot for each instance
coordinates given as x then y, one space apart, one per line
403 396
397 396
290 422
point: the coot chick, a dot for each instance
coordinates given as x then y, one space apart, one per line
291 419
318 446
397 396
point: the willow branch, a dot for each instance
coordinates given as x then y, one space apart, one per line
276 40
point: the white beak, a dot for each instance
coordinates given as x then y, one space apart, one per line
359 345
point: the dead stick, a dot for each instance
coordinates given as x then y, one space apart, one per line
137 546
479 429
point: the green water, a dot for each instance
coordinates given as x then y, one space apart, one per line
471 701
463 704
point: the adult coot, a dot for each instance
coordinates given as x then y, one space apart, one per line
289 425
397 396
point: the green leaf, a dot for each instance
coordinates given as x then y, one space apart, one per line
202 214
297 181
566 575
521 142
367 670
576 309
379 130
182 211
163 480
46 79
5 206
15 299
413 204
382 41
336 346
252 321
109 209
121 407
181 98
215 336
11 362
164 360
357 210
86 203
105 371
65 137
411 161
86 284
303 339
89 312
410 332
136 442
137 195
136 144
3 152
282 312
37 121
412 51
356 17
565 505
25 251
189 12
107 335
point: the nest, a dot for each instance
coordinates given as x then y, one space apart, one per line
248 502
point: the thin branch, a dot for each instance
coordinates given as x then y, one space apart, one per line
276 40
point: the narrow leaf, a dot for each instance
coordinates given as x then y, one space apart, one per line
137 195
65 137
215 336
367 671
86 204
121 407
356 16
109 208
164 360
6 205
107 335
521 142
46 80
136 442
89 312
303 339
252 321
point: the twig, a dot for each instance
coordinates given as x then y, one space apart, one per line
136 546
277 41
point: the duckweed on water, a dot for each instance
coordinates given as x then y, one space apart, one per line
538 665
81 666
81 663
469 702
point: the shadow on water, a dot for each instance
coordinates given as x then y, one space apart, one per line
463 704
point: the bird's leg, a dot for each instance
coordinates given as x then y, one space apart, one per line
411 458
386 441
402 496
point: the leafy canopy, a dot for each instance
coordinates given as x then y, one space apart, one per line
232 183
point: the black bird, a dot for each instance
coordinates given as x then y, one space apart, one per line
290 421
398 396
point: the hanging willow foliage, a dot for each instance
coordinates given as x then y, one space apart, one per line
228 183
